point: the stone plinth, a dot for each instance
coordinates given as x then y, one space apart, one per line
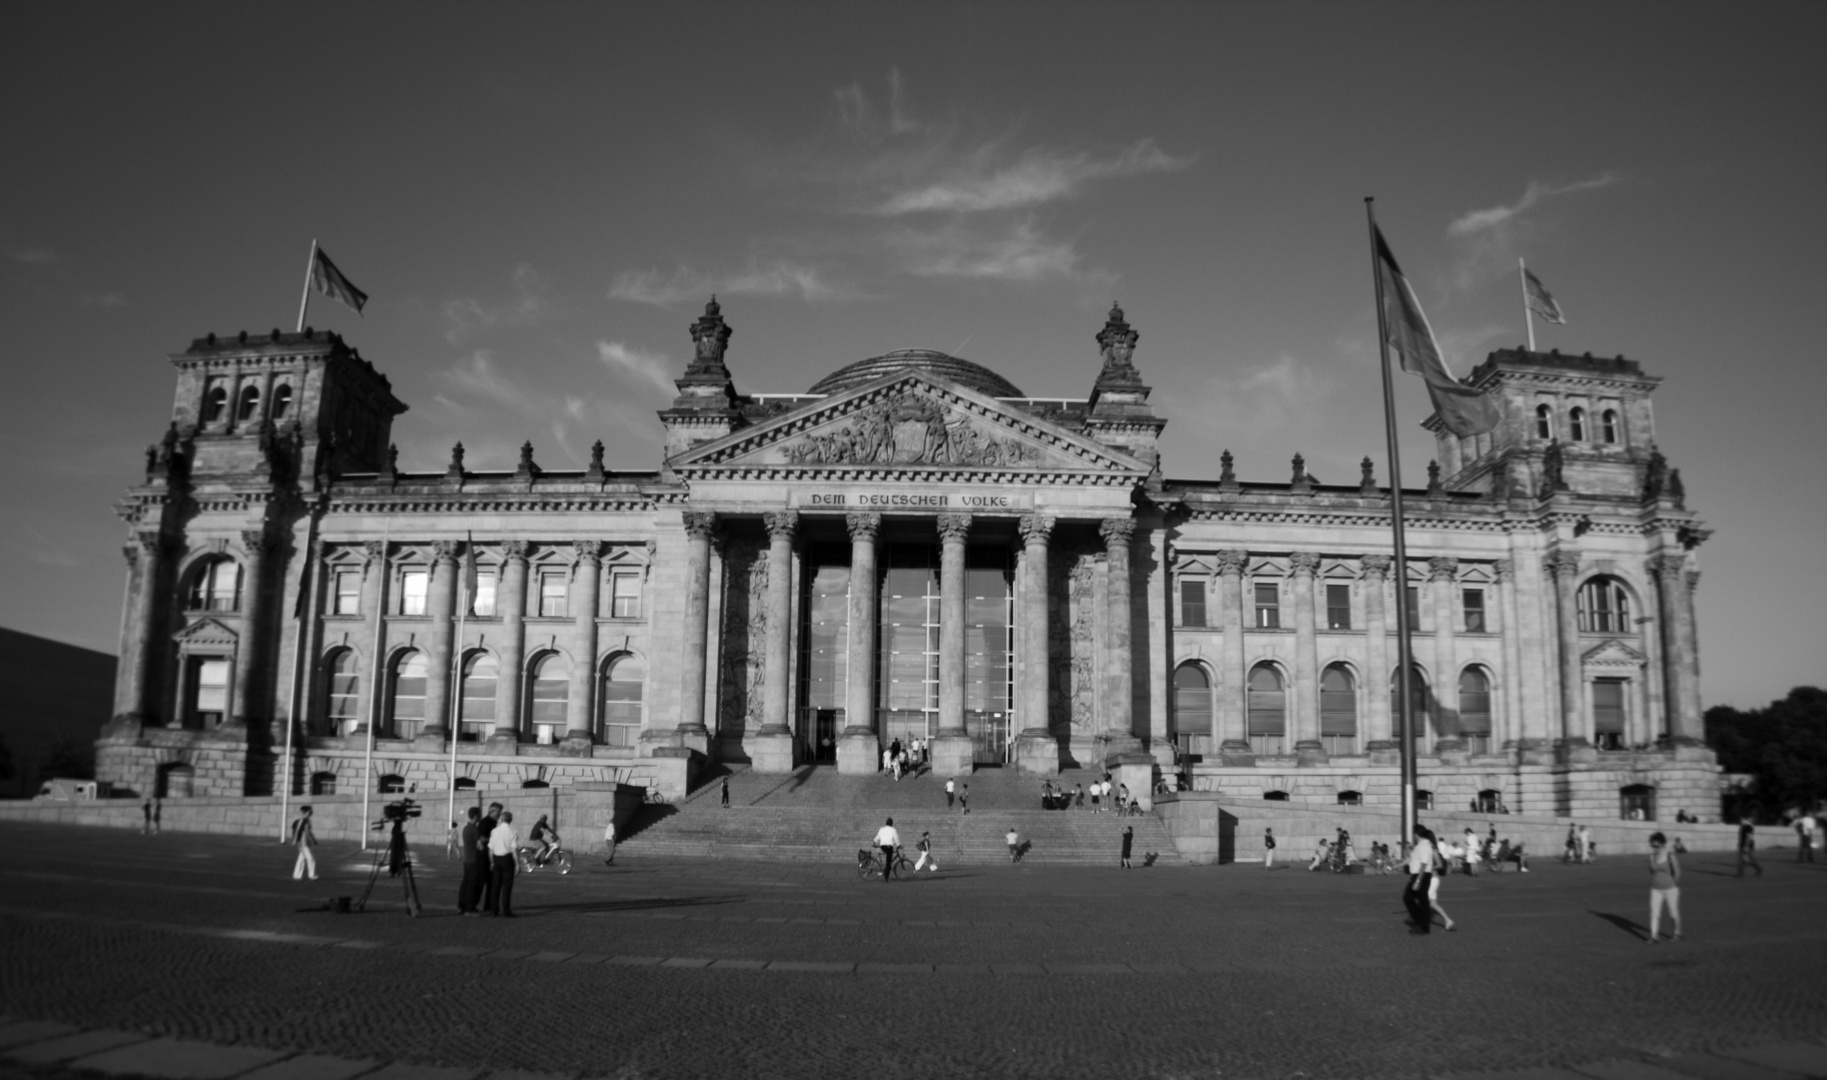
859 753
952 755
1137 772
1036 755
770 752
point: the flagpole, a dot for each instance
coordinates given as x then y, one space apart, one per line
1522 278
1404 648
305 300
306 580
456 672
375 701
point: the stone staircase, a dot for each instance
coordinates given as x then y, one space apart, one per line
816 814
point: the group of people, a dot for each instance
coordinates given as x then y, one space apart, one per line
899 759
1579 847
888 842
489 844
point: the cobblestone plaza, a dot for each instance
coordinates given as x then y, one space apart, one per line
668 968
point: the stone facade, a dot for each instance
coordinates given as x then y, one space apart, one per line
913 551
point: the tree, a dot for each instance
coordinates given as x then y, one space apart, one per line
68 759
1782 747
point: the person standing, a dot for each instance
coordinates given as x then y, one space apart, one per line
1664 887
1097 791
609 841
723 794
925 847
469 893
1129 839
1805 830
304 839
158 811
1747 847
1420 879
1585 843
964 798
951 793
502 843
888 841
485 858
146 812
1268 848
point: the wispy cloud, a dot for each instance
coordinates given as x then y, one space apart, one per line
988 178
47 553
35 256
478 390
684 284
1476 221
467 316
654 368
1019 253
856 112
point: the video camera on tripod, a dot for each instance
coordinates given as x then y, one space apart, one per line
396 813
394 856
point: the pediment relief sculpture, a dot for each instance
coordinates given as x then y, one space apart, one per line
908 429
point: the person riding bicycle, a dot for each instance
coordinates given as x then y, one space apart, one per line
888 841
547 839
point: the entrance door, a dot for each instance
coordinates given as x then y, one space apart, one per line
989 732
824 750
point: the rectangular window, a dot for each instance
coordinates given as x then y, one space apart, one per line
552 594
1608 713
1268 605
1338 607
413 586
211 692
1474 611
483 607
1414 608
1192 602
625 596
348 599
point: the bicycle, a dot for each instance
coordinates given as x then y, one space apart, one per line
869 863
559 860
652 797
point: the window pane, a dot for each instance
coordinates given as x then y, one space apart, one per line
1338 702
484 606
479 683
827 637
282 400
625 596
1192 602
1474 611
550 691
1267 702
409 687
212 686
348 592
1192 701
1268 605
413 585
1338 607
1608 706
552 595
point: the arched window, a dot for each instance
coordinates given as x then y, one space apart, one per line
1608 426
1576 425
1275 796
1338 710
1351 798
215 403
406 709
1604 607
548 692
624 681
1192 714
323 783
217 586
282 401
1418 698
534 784
466 783
250 404
393 784
342 710
1475 710
1268 708
479 681
1544 422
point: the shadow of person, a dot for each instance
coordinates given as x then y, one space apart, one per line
1629 926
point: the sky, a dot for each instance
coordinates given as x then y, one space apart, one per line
539 199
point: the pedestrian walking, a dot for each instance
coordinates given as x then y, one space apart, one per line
469 892
1014 840
1268 849
951 793
1078 796
502 843
888 841
1664 887
925 847
723 794
1747 847
964 798
1805 827
158 811
304 840
1585 843
1420 878
1433 890
1129 839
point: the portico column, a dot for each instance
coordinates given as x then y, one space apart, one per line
954 531
692 665
1379 738
586 589
1305 566
1443 573
1512 654
1119 736
1676 619
439 605
781 527
1232 735
511 602
1536 676
1036 751
1565 566
253 618
149 550
859 749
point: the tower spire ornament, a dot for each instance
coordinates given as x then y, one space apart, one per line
1117 342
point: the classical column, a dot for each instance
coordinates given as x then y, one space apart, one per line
1232 735
1036 751
858 749
1536 675
1443 575
149 551
511 602
1511 675
1677 617
586 589
1305 691
1379 734
781 527
253 621
693 664
1119 682
440 605
954 532
1565 566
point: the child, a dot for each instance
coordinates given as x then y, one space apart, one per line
925 848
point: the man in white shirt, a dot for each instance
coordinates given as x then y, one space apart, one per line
1809 836
950 792
502 843
1420 878
889 841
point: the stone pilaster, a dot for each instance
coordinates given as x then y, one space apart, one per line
246 691
693 663
951 749
1538 674
1676 600
1573 737
1036 750
586 593
440 605
1380 739
859 747
1443 579
1304 713
1231 735
1118 736
511 602
150 551
1510 732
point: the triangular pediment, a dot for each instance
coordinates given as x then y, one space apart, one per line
1614 654
907 423
207 632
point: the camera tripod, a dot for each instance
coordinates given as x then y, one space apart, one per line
399 864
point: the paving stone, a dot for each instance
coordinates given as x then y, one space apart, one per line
521 1074
1089 969
1712 1067
400 1070
179 1059
1624 1069
359 943
31 1031
899 969
1158 969
69 1047
457 950
1516 1074
551 957
1018 969
507 954
741 965
1808 1059
805 965
587 958
962 969
312 1067
636 961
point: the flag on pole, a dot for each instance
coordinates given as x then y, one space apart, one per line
1464 411
327 279
1541 301
469 573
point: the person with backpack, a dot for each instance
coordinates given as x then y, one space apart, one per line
304 839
